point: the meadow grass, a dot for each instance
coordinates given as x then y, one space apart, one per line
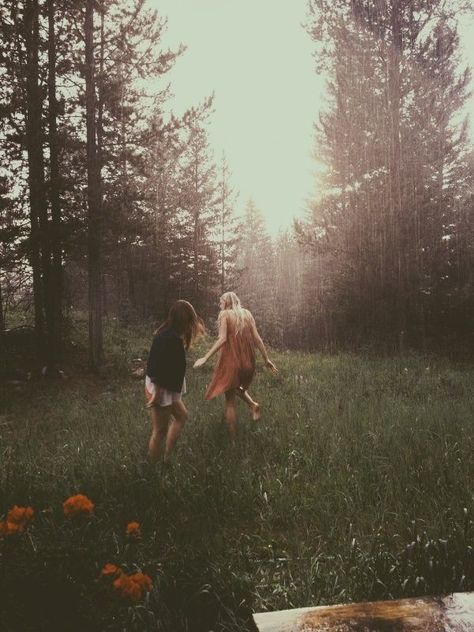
357 484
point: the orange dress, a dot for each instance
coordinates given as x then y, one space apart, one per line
236 364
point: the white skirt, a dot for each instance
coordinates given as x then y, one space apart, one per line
166 397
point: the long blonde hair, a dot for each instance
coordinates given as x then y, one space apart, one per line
232 303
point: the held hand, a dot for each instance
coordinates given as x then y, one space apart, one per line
271 367
199 363
152 400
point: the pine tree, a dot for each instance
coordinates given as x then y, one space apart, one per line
386 137
197 220
256 264
288 297
29 62
226 227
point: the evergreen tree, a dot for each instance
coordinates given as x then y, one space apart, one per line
256 264
226 228
198 218
388 138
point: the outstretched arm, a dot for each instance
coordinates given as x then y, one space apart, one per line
221 340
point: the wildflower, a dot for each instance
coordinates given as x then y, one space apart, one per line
143 581
20 515
133 529
10 528
16 521
128 588
79 504
133 586
110 570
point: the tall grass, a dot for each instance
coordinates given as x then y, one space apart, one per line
357 484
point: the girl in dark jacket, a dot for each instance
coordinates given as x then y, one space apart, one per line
164 382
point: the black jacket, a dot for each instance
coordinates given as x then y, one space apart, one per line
166 364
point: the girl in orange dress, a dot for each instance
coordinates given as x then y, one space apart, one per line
238 338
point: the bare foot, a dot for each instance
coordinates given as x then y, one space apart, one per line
256 414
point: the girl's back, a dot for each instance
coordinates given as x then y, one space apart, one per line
240 337
236 365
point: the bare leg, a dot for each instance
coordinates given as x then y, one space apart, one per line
254 407
179 416
230 413
160 420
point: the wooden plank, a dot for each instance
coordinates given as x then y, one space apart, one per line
452 613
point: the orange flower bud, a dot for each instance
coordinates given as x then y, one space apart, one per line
133 586
20 515
143 581
133 529
10 528
16 521
127 588
110 570
76 505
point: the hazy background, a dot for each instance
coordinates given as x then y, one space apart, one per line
258 60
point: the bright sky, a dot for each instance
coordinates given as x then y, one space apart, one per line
257 59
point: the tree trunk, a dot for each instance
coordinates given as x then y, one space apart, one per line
3 355
398 221
94 202
196 256
56 268
40 256
222 253
196 212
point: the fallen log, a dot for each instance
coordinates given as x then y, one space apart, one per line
451 613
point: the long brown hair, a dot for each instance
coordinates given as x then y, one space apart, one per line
183 319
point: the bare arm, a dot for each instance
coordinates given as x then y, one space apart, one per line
261 347
221 340
259 342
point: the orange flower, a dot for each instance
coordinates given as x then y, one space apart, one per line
10 528
133 587
16 521
127 588
143 581
76 505
133 529
20 515
110 570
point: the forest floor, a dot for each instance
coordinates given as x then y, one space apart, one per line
357 484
